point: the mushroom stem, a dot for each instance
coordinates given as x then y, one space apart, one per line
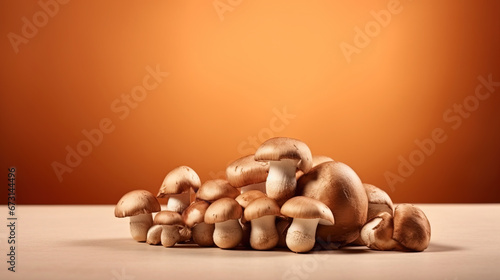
139 226
154 235
281 181
202 234
263 235
259 186
170 235
227 234
178 202
301 235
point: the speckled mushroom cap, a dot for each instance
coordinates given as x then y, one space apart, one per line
178 181
195 213
378 201
166 217
223 210
303 207
260 207
246 171
411 227
135 203
213 190
279 148
339 187
246 198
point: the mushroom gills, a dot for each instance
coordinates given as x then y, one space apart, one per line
139 226
263 235
301 234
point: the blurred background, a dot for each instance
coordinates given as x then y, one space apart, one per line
102 97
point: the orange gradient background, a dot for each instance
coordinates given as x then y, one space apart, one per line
228 77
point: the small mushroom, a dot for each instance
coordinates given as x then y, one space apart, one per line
339 187
244 199
177 186
224 213
247 174
194 218
138 205
213 190
306 213
285 156
262 214
154 235
171 223
409 230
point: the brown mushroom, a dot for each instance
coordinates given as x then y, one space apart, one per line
178 186
247 174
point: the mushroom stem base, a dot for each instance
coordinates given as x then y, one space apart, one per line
263 235
139 226
301 235
202 234
228 234
170 235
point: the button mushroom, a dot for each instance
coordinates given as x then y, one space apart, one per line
285 155
138 205
224 213
194 218
154 235
247 174
306 213
213 190
244 199
339 187
262 213
177 187
409 230
171 223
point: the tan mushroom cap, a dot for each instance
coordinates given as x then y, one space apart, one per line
246 198
213 190
378 201
195 213
170 218
178 181
279 148
223 210
261 207
319 159
303 207
339 187
246 171
135 203
411 227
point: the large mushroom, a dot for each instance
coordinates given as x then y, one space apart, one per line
409 230
213 190
339 187
262 213
138 205
177 186
194 218
247 174
285 156
224 213
306 213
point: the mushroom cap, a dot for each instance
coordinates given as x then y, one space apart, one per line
304 207
195 213
317 160
213 190
135 203
411 227
178 181
246 171
339 187
170 218
261 207
222 210
378 196
278 148
246 198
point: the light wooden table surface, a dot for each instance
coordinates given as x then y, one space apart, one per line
88 242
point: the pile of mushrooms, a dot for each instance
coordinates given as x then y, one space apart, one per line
281 196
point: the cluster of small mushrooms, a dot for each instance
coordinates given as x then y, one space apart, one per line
280 197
